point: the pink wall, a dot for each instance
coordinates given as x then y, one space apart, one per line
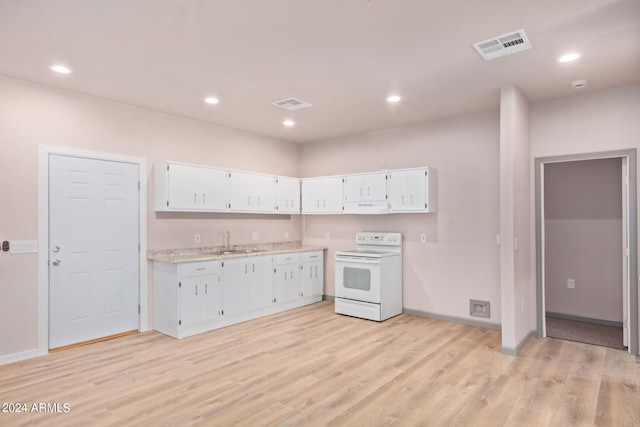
583 238
460 260
32 114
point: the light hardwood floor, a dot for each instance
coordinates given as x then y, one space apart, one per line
311 367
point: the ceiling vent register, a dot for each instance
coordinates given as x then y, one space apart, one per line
291 104
504 45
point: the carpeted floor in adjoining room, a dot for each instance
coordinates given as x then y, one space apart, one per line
589 333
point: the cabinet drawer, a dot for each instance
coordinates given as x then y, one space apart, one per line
312 256
199 268
287 258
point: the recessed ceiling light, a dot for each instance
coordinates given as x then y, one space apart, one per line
211 100
60 69
393 98
569 57
288 123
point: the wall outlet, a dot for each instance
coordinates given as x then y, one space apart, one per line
423 238
255 235
327 235
196 237
571 284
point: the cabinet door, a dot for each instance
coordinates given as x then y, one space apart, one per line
240 192
369 187
312 190
189 301
332 195
322 195
263 195
260 281
213 189
417 189
287 193
183 186
235 289
287 282
375 188
250 192
398 199
317 273
306 280
210 297
312 273
354 188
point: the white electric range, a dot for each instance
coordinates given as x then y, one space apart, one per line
369 277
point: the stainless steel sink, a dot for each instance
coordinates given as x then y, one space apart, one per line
241 251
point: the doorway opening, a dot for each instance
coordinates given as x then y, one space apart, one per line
587 249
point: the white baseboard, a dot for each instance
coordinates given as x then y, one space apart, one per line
16 357
510 351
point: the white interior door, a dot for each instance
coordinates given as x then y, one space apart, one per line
94 249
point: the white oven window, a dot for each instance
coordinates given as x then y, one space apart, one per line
357 278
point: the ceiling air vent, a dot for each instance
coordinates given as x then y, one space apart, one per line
291 104
504 45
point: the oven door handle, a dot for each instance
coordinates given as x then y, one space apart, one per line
358 260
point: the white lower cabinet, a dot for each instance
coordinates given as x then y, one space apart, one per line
312 274
195 297
286 282
185 295
247 284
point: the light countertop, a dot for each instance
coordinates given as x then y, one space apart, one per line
176 256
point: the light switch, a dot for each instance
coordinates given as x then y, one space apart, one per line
24 246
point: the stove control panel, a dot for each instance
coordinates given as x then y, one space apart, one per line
378 239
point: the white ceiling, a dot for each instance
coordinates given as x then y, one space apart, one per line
343 56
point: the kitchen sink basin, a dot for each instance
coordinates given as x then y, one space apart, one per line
241 251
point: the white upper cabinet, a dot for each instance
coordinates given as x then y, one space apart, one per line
322 195
180 187
287 195
413 190
184 187
365 193
249 192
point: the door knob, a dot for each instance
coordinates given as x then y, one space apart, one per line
56 262
56 249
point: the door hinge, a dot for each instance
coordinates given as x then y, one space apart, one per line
138 308
167 203
139 248
179 284
626 251
138 185
626 179
179 322
167 167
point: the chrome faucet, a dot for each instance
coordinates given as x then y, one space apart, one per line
227 245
